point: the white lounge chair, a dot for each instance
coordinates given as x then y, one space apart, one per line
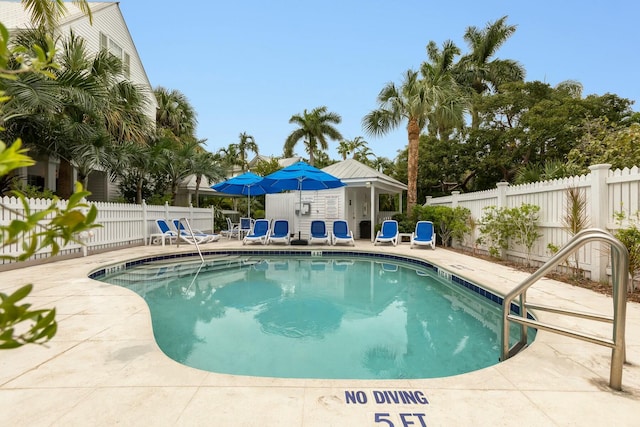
319 232
341 233
184 231
166 230
164 233
259 233
424 235
388 233
279 232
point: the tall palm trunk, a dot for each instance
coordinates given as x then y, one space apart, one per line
65 179
413 132
139 190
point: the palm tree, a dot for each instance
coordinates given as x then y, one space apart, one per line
314 128
478 71
46 13
414 101
207 165
438 72
353 147
175 112
246 143
230 156
344 149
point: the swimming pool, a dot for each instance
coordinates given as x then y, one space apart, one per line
329 316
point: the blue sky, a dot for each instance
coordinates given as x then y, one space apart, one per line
249 66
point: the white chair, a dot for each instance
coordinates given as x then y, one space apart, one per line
166 230
244 227
319 232
259 233
184 231
165 233
341 233
232 230
424 235
279 232
388 233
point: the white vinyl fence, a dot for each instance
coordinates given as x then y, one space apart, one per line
122 224
607 192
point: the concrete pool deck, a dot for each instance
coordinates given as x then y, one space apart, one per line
103 367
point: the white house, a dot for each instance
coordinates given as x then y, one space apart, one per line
108 31
357 202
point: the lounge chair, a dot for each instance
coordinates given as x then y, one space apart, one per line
259 232
424 235
388 233
279 232
184 231
163 225
341 233
165 232
319 232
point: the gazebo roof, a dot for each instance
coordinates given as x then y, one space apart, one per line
356 174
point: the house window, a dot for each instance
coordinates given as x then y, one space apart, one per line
126 63
116 50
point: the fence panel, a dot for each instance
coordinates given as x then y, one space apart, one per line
623 195
121 224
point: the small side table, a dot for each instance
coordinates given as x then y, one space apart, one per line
404 237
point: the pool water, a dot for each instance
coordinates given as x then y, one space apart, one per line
316 317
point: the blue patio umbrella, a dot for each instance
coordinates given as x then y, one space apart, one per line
248 184
300 176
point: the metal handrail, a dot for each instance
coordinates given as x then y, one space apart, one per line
620 279
193 236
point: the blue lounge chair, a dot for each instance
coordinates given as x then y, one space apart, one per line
165 232
318 232
279 232
388 233
184 231
341 233
259 232
163 225
424 235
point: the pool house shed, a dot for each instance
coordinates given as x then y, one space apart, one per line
358 202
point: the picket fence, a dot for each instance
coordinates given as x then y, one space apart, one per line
607 192
121 224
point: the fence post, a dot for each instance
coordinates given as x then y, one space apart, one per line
145 233
599 210
502 194
166 210
454 198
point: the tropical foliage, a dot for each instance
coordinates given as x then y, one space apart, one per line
314 128
19 324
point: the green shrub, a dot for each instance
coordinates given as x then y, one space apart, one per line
449 223
502 226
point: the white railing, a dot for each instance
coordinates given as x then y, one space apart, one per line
607 193
121 224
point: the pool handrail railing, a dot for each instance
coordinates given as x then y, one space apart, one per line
620 279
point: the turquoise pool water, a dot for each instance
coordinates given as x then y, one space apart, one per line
321 317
